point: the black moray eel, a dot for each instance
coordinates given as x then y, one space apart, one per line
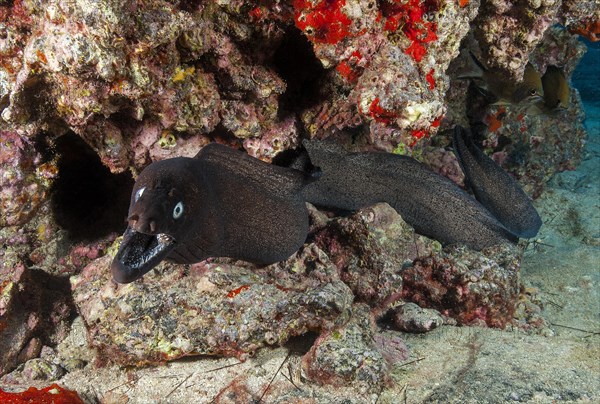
494 188
431 203
221 203
224 203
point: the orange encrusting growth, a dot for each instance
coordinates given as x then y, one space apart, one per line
233 293
418 134
430 79
349 68
256 14
53 394
494 121
380 114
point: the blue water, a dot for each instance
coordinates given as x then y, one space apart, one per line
586 79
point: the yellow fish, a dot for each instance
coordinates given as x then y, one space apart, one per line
503 91
556 88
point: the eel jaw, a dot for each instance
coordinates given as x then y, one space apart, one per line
139 253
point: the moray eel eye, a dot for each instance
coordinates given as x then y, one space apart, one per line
178 210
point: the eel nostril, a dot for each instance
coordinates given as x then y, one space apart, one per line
133 218
152 226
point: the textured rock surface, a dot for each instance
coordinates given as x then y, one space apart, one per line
370 250
348 355
34 306
210 309
509 30
473 288
89 90
411 318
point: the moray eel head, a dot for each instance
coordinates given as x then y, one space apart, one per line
156 220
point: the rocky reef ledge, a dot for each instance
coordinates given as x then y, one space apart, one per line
92 92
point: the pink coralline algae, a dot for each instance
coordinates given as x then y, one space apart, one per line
282 136
473 289
392 55
348 354
24 181
508 31
369 249
26 315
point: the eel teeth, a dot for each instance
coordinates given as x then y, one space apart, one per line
139 253
154 246
163 238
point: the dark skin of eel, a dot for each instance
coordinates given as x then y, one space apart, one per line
224 203
221 203
494 188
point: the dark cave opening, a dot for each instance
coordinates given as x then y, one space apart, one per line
301 344
88 201
296 63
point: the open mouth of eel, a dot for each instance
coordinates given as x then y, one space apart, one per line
139 253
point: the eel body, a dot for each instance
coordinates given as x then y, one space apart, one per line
494 188
429 202
224 203
221 203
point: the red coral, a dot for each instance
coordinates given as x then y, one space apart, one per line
494 121
430 80
350 68
417 134
408 16
53 394
589 29
323 21
381 114
233 293
256 14
416 51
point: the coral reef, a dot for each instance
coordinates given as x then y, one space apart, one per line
25 179
508 31
581 17
91 92
229 308
412 42
370 249
34 308
532 145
